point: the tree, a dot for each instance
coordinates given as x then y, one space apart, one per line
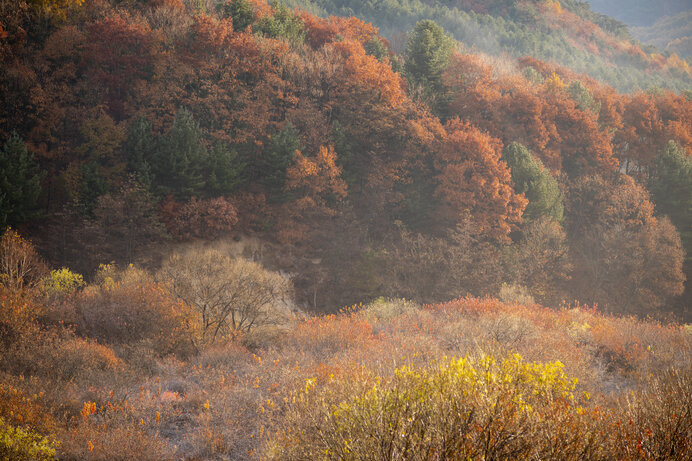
20 183
224 170
206 218
535 182
55 9
240 11
317 183
277 156
474 180
625 259
378 48
92 186
231 296
20 265
126 221
434 269
120 52
641 136
671 190
179 159
139 148
282 23
540 261
582 97
427 55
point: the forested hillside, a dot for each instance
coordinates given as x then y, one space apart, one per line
191 191
639 12
566 32
125 126
672 34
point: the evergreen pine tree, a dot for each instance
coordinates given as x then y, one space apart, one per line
180 159
20 183
671 190
535 182
277 156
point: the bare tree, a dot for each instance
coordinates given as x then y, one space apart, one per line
231 295
20 265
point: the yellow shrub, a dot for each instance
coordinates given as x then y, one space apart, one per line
18 444
62 282
464 409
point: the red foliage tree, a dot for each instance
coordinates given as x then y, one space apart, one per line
199 218
638 141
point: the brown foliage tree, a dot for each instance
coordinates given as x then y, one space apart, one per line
199 218
317 183
20 265
125 222
119 53
430 269
638 142
540 261
624 258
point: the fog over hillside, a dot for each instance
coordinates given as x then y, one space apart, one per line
640 12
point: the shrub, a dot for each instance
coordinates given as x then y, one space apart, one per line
62 282
507 330
383 310
18 313
516 294
466 409
19 409
656 422
127 307
58 355
19 444
113 432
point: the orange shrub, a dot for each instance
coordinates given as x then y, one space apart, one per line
128 307
19 409
324 337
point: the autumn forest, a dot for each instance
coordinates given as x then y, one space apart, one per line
342 229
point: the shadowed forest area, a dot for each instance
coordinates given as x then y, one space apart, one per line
192 192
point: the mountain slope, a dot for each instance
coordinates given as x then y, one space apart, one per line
565 32
640 12
669 33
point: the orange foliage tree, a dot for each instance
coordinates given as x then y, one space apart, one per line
541 116
317 183
473 179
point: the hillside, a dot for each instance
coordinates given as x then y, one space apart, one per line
191 192
128 129
565 32
639 12
672 34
